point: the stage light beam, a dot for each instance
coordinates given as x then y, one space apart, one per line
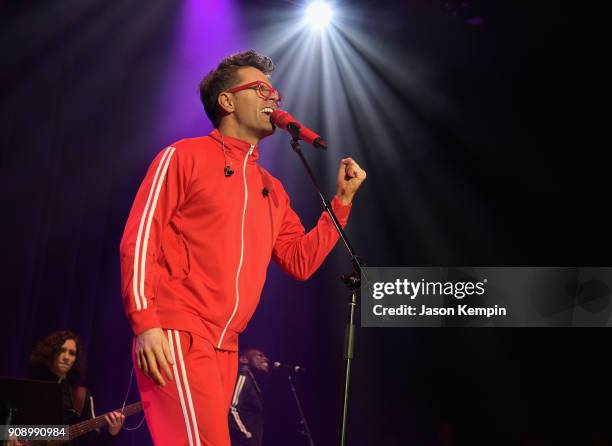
318 15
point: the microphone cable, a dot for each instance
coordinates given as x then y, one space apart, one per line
127 394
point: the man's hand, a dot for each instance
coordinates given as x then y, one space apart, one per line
115 422
350 177
153 354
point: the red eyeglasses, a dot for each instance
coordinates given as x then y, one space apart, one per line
264 90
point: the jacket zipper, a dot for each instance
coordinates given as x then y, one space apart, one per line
246 197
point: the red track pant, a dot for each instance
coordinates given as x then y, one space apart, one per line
192 408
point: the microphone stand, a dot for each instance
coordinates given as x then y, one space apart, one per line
352 282
305 429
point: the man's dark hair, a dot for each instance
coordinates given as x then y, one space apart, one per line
47 350
225 77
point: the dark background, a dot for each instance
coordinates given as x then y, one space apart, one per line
513 174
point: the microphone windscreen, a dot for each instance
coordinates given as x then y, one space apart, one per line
281 118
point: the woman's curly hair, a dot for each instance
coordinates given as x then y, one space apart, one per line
46 351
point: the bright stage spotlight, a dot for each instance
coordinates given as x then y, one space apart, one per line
318 15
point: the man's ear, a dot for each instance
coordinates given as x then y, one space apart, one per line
226 102
243 360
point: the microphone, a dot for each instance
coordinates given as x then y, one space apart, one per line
285 121
292 368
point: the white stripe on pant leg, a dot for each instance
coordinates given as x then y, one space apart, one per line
180 389
142 221
187 390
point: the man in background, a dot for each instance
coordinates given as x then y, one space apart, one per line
246 418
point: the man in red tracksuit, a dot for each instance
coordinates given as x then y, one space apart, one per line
205 223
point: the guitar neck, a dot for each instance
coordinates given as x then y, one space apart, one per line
78 429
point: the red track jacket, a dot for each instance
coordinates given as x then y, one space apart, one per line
197 244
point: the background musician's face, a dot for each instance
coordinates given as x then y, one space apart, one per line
65 358
257 360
